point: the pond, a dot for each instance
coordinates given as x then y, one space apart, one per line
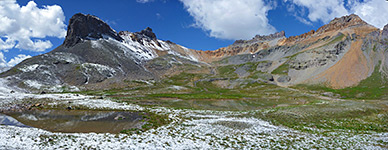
75 121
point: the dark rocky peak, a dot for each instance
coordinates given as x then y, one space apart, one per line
147 33
143 35
87 27
262 38
341 23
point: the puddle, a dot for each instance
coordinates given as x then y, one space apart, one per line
76 121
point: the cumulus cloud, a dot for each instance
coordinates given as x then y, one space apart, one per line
374 12
19 58
323 11
25 27
230 19
16 60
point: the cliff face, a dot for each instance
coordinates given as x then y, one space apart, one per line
86 27
93 55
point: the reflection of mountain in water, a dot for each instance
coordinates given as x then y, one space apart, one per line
7 120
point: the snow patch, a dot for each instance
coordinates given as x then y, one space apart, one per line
102 69
96 44
29 68
175 87
131 48
67 57
33 84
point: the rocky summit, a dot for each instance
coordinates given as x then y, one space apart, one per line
87 27
338 55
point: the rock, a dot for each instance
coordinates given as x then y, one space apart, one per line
329 94
341 23
69 108
140 37
43 92
119 117
384 33
147 32
269 77
83 26
284 78
12 92
259 38
263 66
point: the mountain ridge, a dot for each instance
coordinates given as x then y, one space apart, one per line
94 55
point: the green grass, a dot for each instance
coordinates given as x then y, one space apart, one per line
374 48
355 116
282 69
182 79
197 96
335 40
152 121
226 70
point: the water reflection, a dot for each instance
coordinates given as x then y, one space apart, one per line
76 121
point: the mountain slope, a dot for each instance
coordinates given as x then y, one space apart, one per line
93 56
338 55
94 53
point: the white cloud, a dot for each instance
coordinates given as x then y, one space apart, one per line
306 22
19 58
25 27
325 11
374 12
16 60
230 19
144 1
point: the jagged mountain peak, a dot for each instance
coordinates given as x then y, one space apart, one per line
261 38
83 26
270 36
146 35
349 19
341 23
147 32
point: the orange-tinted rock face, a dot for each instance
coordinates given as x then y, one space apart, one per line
244 46
348 71
341 23
261 42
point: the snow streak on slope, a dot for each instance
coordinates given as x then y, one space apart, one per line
143 50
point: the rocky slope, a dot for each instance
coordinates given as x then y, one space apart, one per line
93 55
338 55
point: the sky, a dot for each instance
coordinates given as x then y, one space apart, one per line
34 27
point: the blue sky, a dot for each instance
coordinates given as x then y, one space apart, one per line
196 24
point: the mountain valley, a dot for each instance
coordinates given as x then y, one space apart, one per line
322 89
